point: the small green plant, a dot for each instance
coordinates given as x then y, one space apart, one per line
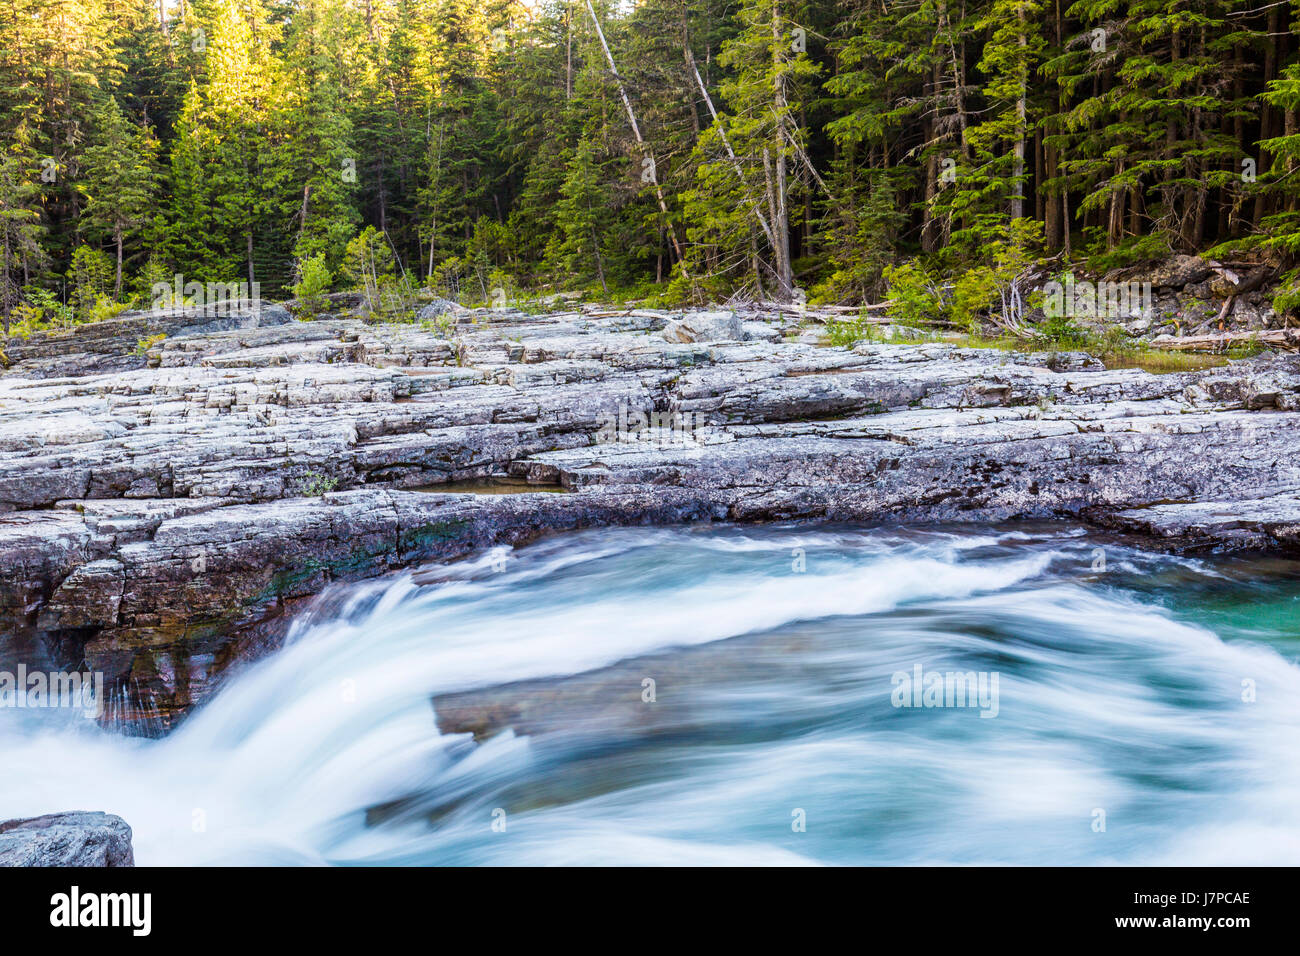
92 279
105 308
314 485
501 288
1287 298
155 272
143 346
916 298
314 280
41 312
847 332
447 278
1061 332
443 326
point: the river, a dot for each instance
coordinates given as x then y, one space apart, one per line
722 695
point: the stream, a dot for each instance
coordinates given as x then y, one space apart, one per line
720 695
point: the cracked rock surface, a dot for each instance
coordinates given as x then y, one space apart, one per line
160 511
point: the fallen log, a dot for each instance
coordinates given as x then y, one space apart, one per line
840 309
1288 339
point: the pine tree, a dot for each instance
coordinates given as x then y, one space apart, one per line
20 229
771 72
222 163
120 181
315 161
584 217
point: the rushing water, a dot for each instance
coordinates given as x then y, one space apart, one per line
1160 691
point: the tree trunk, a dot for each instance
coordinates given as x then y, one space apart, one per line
781 219
600 266
1018 163
636 131
117 285
1266 111
735 163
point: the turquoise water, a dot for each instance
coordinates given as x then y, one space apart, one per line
723 695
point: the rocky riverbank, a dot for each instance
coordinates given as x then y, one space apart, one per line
163 504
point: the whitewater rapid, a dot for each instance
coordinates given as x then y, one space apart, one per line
1123 689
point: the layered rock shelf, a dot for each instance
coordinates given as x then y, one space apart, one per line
164 505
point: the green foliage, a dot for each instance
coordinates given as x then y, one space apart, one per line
994 287
1139 249
315 485
120 183
584 215
1286 301
862 235
444 326
40 312
447 278
916 298
314 280
155 271
91 279
370 266
105 308
848 332
143 346
821 145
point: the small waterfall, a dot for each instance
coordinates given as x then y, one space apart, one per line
724 695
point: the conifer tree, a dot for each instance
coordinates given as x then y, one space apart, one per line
119 182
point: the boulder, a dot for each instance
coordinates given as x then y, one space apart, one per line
706 327
436 308
67 839
1177 271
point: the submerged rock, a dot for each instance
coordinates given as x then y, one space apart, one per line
67 839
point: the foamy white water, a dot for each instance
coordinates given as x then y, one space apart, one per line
1120 692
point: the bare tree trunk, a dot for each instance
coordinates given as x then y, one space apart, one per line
4 283
636 131
780 218
1018 163
1266 112
735 163
771 204
600 265
302 212
432 244
117 285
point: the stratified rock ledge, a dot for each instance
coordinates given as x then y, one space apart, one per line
160 513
